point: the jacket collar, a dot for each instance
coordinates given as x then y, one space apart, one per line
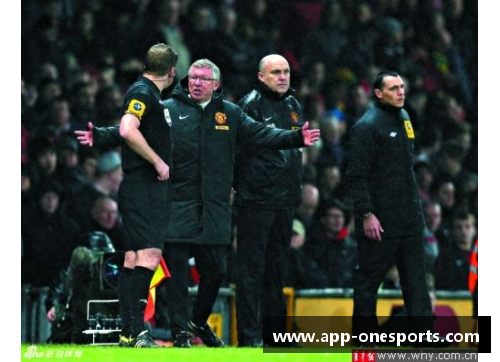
387 107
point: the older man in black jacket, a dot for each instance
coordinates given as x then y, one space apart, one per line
206 131
268 188
388 212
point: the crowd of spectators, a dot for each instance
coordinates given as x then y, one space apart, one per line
79 56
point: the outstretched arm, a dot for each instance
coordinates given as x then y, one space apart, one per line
104 137
258 134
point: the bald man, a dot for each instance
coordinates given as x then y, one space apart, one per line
268 188
307 208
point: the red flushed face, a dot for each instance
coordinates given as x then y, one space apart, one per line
202 84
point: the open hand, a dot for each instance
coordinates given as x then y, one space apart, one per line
310 136
86 137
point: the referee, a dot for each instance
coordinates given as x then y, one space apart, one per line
144 196
388 212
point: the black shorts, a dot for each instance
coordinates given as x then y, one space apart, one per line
145 208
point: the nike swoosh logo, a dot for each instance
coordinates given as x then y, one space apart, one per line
267 119
182 117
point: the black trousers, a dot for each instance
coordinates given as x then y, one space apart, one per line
211 265
375 259
263 244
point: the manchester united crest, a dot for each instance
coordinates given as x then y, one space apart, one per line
294 117
220 118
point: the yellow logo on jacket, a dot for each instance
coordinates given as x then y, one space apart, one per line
294 117
221 119
409 129
136 108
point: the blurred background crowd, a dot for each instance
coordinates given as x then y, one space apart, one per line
78 58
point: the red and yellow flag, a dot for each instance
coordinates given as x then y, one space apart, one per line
160 274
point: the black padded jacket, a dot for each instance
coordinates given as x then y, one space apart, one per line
266 177
380 171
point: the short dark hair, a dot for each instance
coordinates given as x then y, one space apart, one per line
378 81
463 214
160 58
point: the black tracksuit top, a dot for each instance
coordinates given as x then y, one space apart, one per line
267 177
380 171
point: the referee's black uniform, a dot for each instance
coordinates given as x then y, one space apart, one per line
382 182
144 201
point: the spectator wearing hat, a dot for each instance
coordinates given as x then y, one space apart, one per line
107 181
48 239
331 246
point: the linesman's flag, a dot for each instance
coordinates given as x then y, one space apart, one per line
160 274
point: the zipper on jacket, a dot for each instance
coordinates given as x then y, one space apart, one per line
200 161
